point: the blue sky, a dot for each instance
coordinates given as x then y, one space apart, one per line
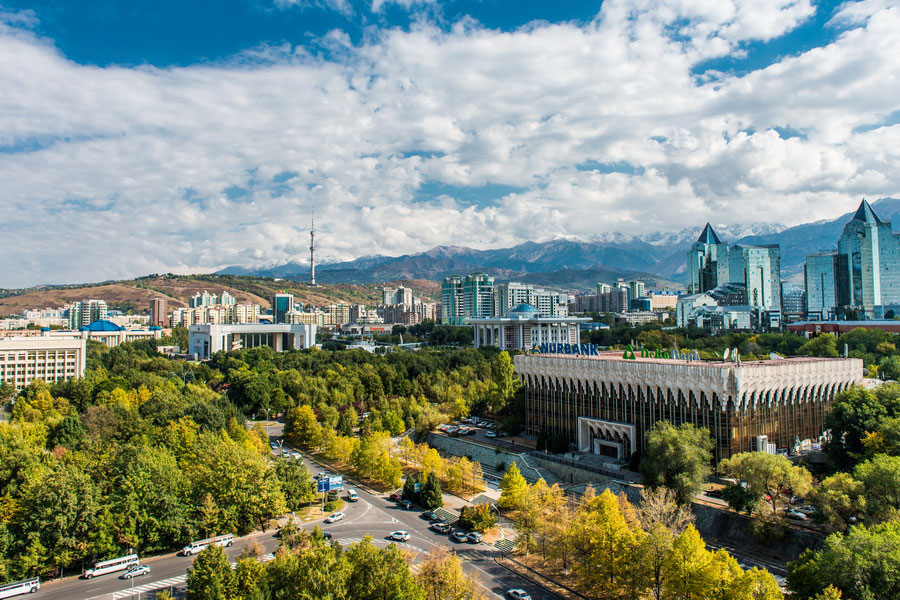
187 136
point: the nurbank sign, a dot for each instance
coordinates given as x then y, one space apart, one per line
579 349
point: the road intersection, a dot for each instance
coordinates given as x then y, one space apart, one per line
372 515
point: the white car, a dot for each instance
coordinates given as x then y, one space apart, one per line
796 514
400 535
490 434
518 594
335 517
135 571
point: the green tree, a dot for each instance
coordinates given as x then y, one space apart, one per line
824 345
296 483
611 542
505 380
678 458
302 429
442 578
380 574
316 572
854 414
860 563
211 577
690 573
513 489
841 500
768 475
880 477
432 497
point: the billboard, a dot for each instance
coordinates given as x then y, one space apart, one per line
330 484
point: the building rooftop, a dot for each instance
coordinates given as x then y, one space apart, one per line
865 214
101 325
618 356
708 236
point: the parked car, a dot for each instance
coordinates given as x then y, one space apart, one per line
806 509
518 594
714 493
406 504
335 517
401 535
440 527
795 514
135 571
395 497
428 515
459 536
490 434
475 538
273 445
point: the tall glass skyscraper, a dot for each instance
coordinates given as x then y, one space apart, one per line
707 262
467 297
759 269
872 254
282 304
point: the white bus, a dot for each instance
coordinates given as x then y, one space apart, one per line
112 565
223 541
29 586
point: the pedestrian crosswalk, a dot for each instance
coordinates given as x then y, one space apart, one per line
446 514
505 545
149 587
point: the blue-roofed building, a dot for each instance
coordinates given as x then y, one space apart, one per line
112 335
524 327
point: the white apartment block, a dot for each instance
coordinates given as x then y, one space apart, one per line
25 359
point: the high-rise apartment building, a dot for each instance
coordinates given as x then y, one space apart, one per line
204 299
453 308
282 304
398 295
478 295
338 313
509 295
159 312
636 289
707 262
85 312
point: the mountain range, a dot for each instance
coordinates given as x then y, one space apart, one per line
658 258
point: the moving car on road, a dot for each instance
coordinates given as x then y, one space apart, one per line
406 504
352 496
428 515
135 571
395 497
335 517
490 434
518 594
401 535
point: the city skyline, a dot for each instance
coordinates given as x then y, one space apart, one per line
191 141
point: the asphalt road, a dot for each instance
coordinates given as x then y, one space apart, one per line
372 515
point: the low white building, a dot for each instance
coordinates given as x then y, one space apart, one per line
524 327
206 340
24 359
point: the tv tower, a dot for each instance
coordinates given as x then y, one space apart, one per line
312 250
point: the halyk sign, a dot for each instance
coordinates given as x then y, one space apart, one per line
669 354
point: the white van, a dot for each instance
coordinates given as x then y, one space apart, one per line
112 565
8 590
352 496
223 541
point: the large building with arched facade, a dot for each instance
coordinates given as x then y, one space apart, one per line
605 403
